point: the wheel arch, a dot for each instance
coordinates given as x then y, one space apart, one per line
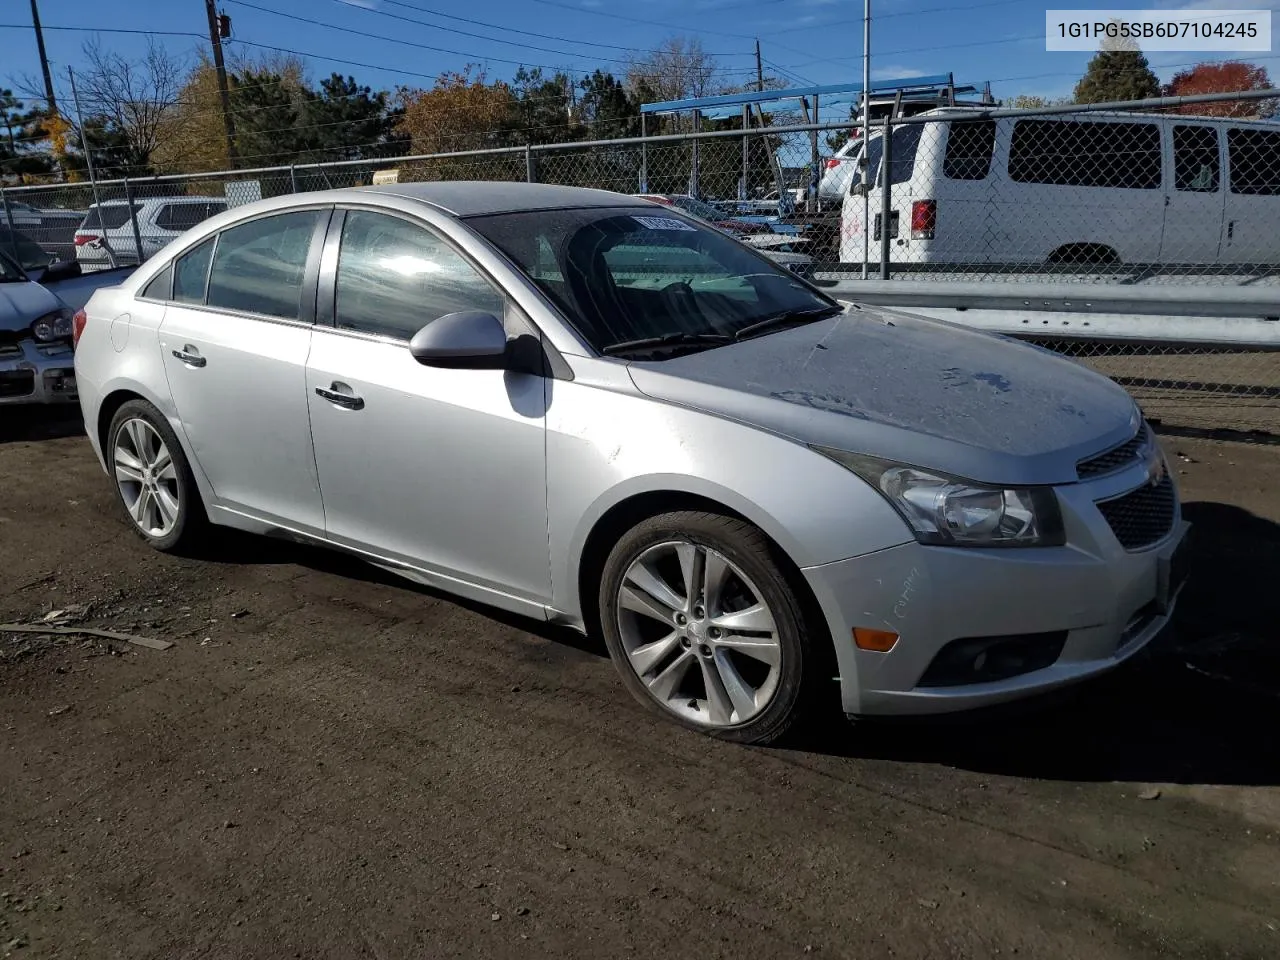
638 506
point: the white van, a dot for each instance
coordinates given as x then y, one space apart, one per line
1086 188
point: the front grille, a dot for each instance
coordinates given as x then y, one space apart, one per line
17 383
1142 516
1117 458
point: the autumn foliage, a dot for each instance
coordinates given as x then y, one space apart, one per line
1222 78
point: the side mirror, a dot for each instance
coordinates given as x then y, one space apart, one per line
60 270
468 340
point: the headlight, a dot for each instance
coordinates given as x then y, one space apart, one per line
53 326
949 511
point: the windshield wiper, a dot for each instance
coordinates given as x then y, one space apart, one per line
787 318
668 340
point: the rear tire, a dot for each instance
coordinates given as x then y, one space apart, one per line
733 656
153 478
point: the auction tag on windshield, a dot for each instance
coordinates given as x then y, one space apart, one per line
662 223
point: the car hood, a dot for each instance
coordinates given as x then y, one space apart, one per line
915 390
21 303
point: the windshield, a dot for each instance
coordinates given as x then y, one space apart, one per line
698 208
625 273
9 272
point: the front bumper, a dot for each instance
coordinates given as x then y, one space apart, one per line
37 373
1108 602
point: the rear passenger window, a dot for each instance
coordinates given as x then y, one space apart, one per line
970 144
902 152
184 216
161 285
1195 159
1255 161
258 266
395 277
1077 154
190 273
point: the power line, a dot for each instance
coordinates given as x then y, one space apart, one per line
412 43
496 26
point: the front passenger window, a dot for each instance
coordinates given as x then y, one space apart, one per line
395 277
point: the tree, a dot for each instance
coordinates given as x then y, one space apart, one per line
1117 75
1222 78
24 130
461 112
606 109
542 110
344 121
677 69
128 103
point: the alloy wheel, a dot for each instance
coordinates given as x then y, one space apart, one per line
698 634
146 477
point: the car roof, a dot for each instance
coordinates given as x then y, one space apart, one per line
470 198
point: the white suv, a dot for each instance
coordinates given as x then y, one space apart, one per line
107 233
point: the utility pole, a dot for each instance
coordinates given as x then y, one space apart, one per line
866 138
44 60
215 38
759 70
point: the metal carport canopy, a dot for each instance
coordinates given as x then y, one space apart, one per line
765 96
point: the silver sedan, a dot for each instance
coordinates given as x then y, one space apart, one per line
572 405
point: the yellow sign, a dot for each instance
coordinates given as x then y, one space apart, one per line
386 176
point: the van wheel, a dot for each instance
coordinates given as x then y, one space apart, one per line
1085 254
153 478
703 627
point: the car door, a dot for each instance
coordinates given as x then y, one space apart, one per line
441 469
234 341
1193 196
1253 197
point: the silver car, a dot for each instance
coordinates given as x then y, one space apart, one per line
565 403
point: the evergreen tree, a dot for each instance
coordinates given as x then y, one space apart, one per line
1117 75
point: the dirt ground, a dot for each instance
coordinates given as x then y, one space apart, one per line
331 763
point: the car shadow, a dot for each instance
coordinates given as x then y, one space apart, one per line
1198 706
225 545
27 424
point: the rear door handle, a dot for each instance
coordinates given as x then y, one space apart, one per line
347 400
187 356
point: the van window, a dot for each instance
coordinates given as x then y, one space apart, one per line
1078 154
970 144
1195 159
1255 161
902 155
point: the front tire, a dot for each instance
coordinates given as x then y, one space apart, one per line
704 627
153 479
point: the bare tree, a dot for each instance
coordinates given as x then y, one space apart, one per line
678 68
132 99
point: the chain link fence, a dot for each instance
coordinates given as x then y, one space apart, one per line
1181 192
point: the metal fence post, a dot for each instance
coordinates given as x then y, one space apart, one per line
695 189
644 157
886 194
293 179
746 151
133 219
13 234
530 170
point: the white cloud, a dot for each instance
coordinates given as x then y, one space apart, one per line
896 73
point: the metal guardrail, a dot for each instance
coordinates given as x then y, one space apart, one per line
1179 301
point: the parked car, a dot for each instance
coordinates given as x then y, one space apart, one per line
713 215
106 236
1086 188
551 400
24 250
779 247
840 169
53 229
35 338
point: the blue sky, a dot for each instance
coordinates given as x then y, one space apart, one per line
818 41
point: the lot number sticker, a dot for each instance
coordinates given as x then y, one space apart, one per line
662 223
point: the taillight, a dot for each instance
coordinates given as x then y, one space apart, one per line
924 219
77 326
833 162
83 238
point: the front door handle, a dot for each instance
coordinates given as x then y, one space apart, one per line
189 357
347 400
